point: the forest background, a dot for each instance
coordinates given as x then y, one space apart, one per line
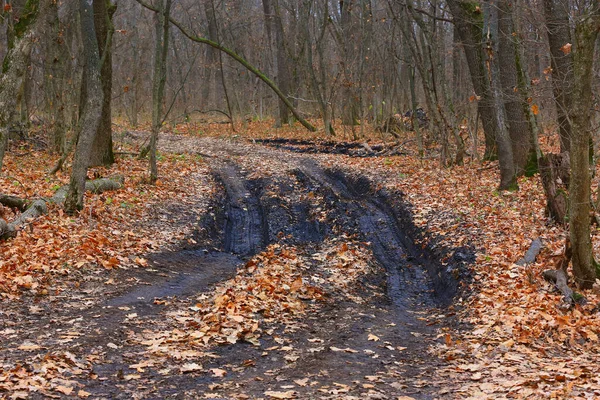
500 87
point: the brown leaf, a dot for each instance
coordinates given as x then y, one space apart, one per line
64 389
566 49
219 373
290 394
190 367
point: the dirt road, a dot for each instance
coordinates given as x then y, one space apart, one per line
371 340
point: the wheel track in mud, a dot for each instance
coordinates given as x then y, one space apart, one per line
377 224
245 229
353 202
254 214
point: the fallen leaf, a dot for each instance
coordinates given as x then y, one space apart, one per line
373 338
64 389
28 346
190 367
301 382
566 49
290 394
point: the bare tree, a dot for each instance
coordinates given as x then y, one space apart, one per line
468 20
587 26
561 61
92 109
102 149
513 88
159 79
15 64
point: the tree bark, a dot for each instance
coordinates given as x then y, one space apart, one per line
159 80
561 61
92 111
15 65
102 147
586 32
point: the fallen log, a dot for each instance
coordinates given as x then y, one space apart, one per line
14 202
532 253
3 228
39 207
555 175
559 277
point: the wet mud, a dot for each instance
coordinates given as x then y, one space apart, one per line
354 149
251 212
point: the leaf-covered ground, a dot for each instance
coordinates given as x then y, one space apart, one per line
508 337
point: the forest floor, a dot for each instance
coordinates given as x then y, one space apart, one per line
280 268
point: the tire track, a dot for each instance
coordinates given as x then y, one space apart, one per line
246 229
376 223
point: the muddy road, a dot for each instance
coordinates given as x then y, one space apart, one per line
372 340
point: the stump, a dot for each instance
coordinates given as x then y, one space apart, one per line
555 174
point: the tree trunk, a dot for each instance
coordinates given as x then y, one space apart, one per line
212 57
159 79
15 65
509 63
102 148
561 61
468 20
284 80
349 37
586 32
92 111
555 168
55 68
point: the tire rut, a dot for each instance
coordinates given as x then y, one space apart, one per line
377 224
246 227
248 215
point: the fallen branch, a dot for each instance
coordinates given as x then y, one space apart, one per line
559 278
532 252
14 202
39 207
187 33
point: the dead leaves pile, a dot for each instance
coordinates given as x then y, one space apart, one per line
521 341
114 229
277 286
45 375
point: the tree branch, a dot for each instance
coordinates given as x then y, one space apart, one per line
239 59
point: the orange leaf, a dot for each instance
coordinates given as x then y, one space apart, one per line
296 285
535 109
448 339
566 49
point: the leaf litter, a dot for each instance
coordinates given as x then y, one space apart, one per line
513 341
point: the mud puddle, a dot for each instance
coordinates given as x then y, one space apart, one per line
353 149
